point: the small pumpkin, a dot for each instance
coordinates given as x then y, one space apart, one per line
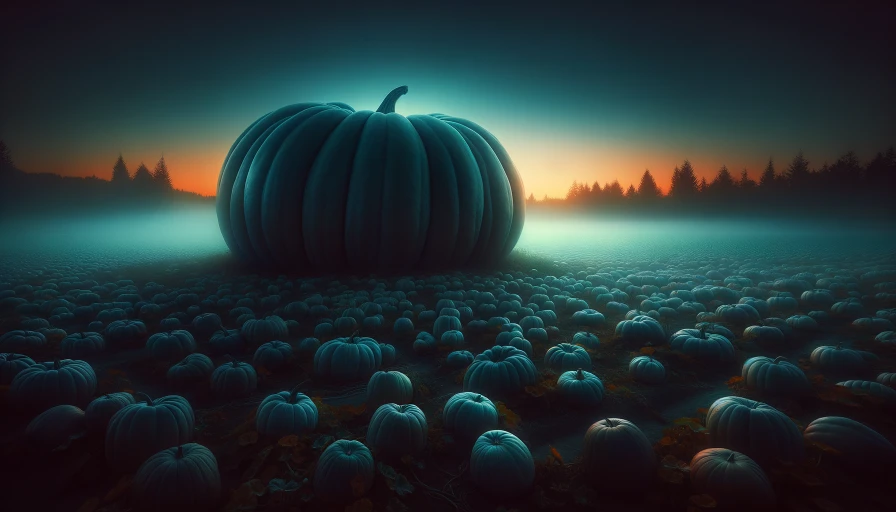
43 385
388 354
344 472
515 339
469 415
837 360
347 359
82 344
55 428
755 429
646 369
459 359
588 318
765 336
566 356
700 345
171 346
855 445
227 341
258 331
388 387
139 430
11 365
190 370
102 408
501 464
737 314
586 339
286 413
500 371
617 455
887 379
774 376
452 338
207 324
125 334
179 478
733 479
641 329
581 388
22 341
273 355
396 431
875 389
444 324
234 380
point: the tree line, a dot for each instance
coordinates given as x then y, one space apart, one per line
846 185
159 180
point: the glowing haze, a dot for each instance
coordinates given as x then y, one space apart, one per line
573 94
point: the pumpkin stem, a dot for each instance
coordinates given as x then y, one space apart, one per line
293 392
56 364
730 457
354 334
580 375
234 363
180 452
703 332
779 359
609 422
143 396
388 104
838 346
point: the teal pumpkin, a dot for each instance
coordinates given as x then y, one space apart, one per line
755 429
179 478
837 360
273 355
388 387
344 472
286 413
171 346
125 333
581 388
206 324
388 354
22 341
641 329
444 324
258 331
617 455
887 379
765 336
500 372
469 415
234 380
565 357
396 431
102 408
515 339
59 382
733 479
296 190
586 339
501 464
139 430
875 389
774 376
452 338
854 445
702 346
11 365
347 359
646 369
190 370
459 359
81 344
227 342
55 428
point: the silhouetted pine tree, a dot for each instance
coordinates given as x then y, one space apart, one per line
768 177
612 192
797 174
6 163
702 187
722 186
120 174
684 182
630 193
143 181
531 199
161 177
648 189
745 184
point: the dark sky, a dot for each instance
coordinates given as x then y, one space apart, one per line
587 93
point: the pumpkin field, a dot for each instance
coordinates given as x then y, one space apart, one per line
681 382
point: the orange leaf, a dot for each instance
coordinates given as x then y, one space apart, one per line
611 387
423 390
248 438
703 410
510 418
288 441
121 488
359 486
362 505
737 379
556 454
126 390
648 351
243 497
89 505
671 476
666 441
703 501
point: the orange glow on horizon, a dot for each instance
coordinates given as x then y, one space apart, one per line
546 170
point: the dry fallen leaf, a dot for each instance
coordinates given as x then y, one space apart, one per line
248 438
556 455
121 489
647 351
288 441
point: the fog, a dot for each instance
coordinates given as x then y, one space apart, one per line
118 239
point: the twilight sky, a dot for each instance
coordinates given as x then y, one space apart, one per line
573 93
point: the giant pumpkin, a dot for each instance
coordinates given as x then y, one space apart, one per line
319 184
